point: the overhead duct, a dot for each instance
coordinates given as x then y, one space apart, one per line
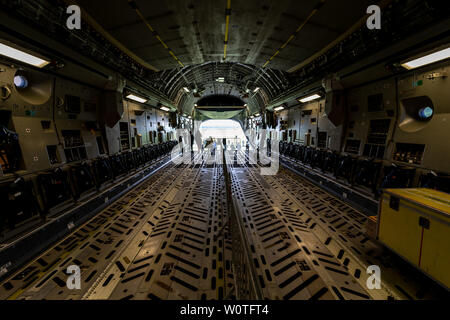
334 101
271 119
111 110
173 119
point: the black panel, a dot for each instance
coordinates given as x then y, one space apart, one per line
352 146
73 104
90 107
375 102
322 139
409 152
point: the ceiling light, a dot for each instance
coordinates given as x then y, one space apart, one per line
257 89
430 58
278 108
257 114
245 105
310 98
163 108
186 89
195 105
220 79
190 117
20 55
136 98
251 117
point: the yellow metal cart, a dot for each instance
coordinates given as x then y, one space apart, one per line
415 223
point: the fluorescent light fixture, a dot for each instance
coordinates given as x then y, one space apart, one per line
220 79
310 98
22 56
186 89
257 114
257 89
251 117
163 108
136 98
278 108
430 58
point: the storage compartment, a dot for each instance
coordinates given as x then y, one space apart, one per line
409 153
352 146
74 148
124 136
415 223
376 138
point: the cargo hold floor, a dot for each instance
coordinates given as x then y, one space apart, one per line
168 239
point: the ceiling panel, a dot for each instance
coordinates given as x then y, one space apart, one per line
194 30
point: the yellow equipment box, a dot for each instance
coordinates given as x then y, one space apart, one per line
415 223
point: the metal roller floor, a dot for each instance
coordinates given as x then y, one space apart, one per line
169 239
163 239
306 244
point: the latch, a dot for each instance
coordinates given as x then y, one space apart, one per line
394 203
424 222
